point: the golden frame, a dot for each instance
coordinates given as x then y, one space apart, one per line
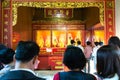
16 4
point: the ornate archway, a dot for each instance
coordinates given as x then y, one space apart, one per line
100 5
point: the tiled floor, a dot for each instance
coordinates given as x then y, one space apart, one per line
48 74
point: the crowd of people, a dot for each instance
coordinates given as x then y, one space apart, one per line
105 60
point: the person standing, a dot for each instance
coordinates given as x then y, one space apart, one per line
93 59
88 53
79 45
88 50
72 43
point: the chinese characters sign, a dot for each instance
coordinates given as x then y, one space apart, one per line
110 23
62 13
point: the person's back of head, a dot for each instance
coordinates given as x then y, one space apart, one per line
100 43
72 41
74 58
114 41
88 43
6 55
108 62
96 43
78 42
26 51
2 46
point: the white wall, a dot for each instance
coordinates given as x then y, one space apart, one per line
117 17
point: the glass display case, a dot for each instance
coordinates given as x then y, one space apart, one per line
53 40
43 38
56 38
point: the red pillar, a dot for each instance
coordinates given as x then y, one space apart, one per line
109 19
0 21
7 23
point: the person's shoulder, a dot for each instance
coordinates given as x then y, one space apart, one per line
90 76
59 75
37 78
29 75
56 76
98 77
78 74
6 76
21 75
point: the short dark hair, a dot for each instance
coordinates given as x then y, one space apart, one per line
6 55
96 43
108 61
100 43
72 41
26 51
74 58
78 42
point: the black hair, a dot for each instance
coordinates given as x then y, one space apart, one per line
74 58
78 42
88 43
114 41
26 51
100 43
108 62
6 55
96 43
72 41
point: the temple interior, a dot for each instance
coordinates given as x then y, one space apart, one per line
53 28
49 26
53 23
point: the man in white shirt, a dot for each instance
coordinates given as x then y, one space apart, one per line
80 46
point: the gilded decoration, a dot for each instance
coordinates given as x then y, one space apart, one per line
100 5
60 22
110 4
6 4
